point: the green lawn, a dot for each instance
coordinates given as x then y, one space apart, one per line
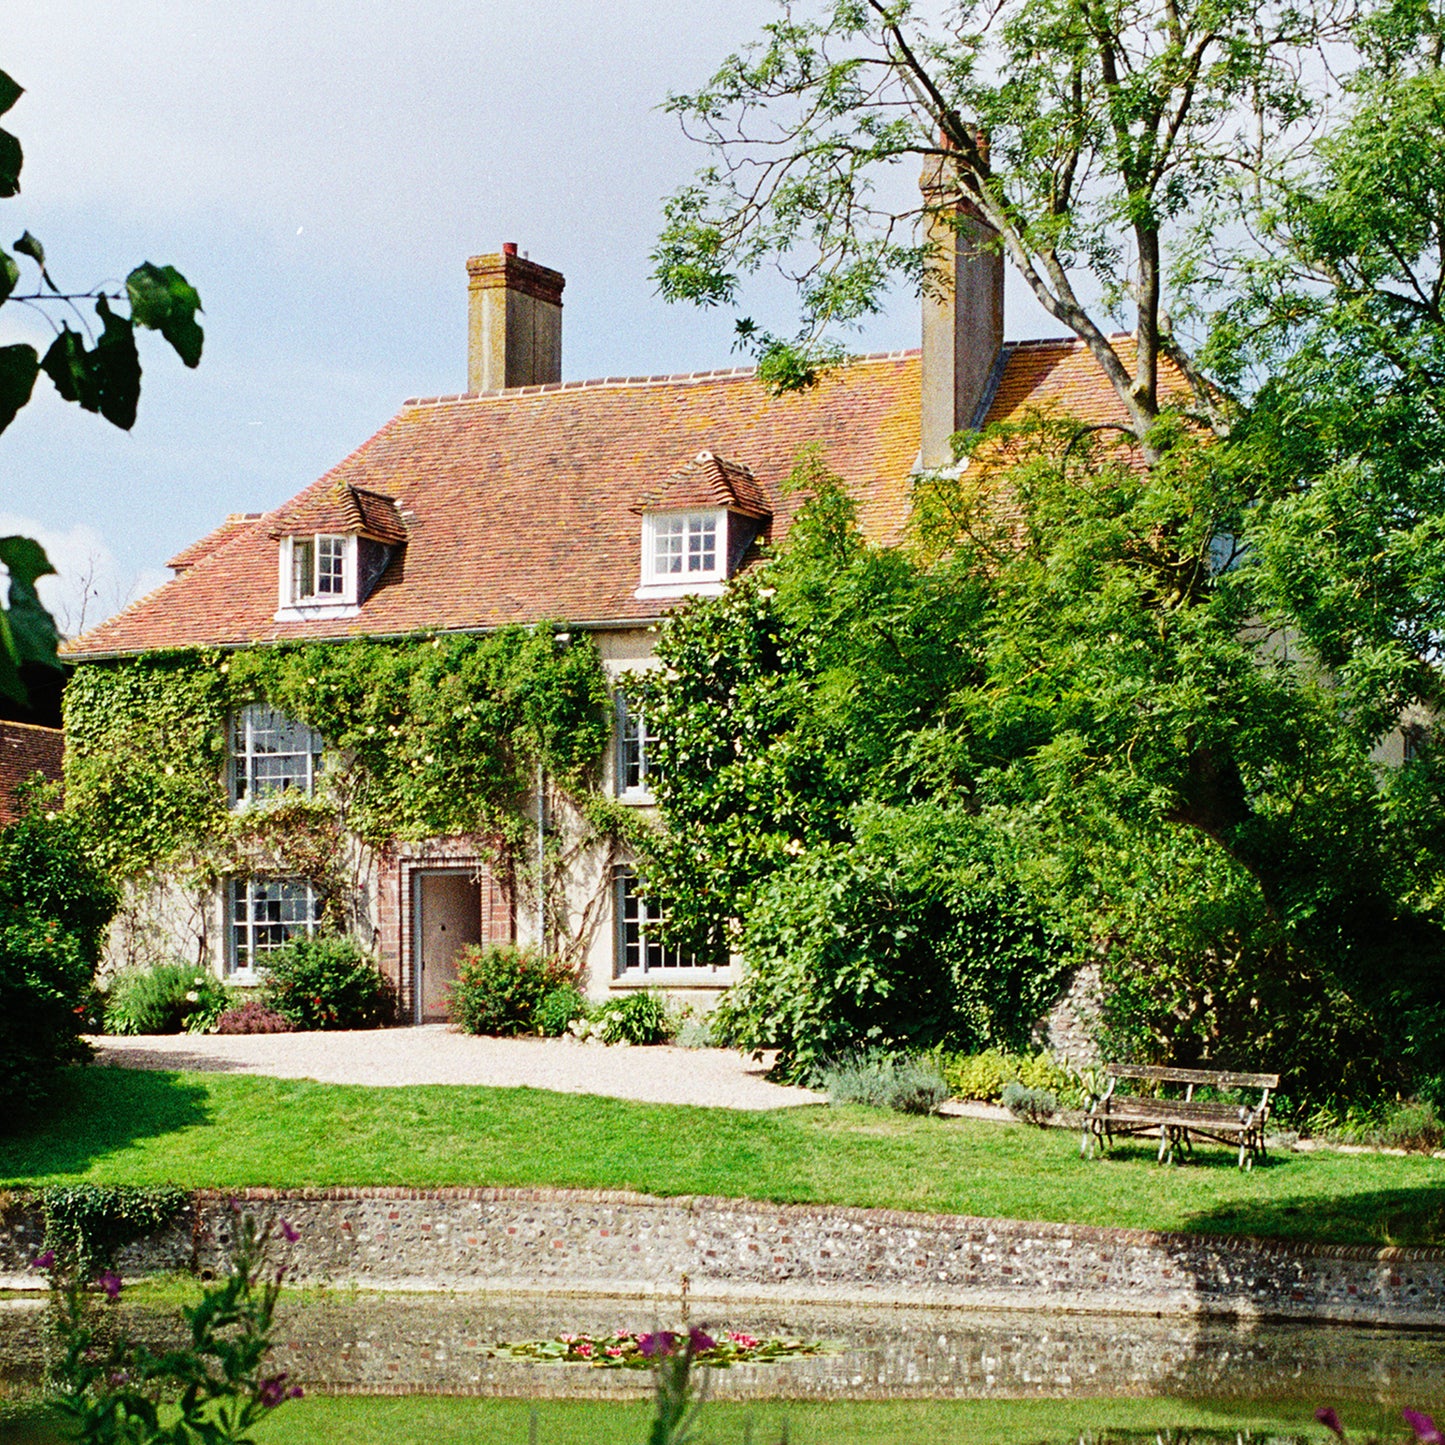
119 1126
433 1420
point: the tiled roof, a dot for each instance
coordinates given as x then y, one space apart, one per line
343 510
189 556
707 481
518 505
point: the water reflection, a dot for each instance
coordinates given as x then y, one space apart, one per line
360 1342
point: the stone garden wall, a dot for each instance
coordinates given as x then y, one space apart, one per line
608 1243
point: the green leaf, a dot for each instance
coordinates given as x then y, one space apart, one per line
27 245
19 366
162 299
115 367
11 159
69 366
30 630
9 276
10 92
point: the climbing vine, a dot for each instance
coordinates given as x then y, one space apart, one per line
424 737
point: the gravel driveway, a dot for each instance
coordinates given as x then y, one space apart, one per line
433 1054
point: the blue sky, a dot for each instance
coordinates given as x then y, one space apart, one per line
320 172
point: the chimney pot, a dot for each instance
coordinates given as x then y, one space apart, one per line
514 322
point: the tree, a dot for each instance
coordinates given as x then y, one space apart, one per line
1087 134
98 370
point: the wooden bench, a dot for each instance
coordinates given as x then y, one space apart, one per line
1179 1121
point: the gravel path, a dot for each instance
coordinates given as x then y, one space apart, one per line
433 1054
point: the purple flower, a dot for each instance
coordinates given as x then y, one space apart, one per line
1426 1431
235 1205
656 1346
271 1392
43 1261
699 1341
295 1392
109 1281
1330 1420
290 1233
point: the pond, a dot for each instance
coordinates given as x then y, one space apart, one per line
990 1376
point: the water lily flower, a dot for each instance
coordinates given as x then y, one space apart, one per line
109 1281
1330 1420
614 1350
742 1341
1426 1431
585 1349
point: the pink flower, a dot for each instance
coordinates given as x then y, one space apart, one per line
742 1341
109 1281
656 1346
699 1341
43 1261
1426 1431
1330 1420
568 1339
585 1350
289 1232
614 1350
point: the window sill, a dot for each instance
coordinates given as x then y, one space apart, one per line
722 977
316 611
703 587
637 798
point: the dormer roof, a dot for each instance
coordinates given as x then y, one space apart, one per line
204 546
708 481
342 510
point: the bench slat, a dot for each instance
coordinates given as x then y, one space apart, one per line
1159 1074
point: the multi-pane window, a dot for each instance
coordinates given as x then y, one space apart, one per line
636 766
640 949
271 755
263 913
318 568
685 545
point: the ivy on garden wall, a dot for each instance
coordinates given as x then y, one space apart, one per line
424 737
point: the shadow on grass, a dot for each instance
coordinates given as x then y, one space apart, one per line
1413 1216
95 1112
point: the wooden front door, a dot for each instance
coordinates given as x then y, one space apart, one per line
449 917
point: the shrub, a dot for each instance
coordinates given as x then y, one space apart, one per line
327 982
985 1075
500 987
167 998
907 1084
1032 1106
558 1009
694 1031
253 1017
638 1018
1413 1124
54 908
914 936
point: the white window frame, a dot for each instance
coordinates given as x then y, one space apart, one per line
690 578
639 959
242 898
296 605
633 750
244 747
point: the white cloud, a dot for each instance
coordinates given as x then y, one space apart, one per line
89 585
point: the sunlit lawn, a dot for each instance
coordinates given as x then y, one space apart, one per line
228 1131
432 1420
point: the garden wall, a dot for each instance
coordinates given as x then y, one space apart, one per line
628 1244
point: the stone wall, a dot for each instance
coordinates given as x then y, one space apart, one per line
1067 1030
582 1242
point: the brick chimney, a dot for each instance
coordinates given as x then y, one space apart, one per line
962 316
514 322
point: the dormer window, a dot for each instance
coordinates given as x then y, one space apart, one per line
696 527
318 569
332 549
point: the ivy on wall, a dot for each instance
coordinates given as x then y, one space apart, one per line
424 737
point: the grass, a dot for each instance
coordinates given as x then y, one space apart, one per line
440 1420
226 1131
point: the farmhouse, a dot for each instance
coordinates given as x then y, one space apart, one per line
587 510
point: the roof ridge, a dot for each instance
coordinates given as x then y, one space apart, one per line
661 379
